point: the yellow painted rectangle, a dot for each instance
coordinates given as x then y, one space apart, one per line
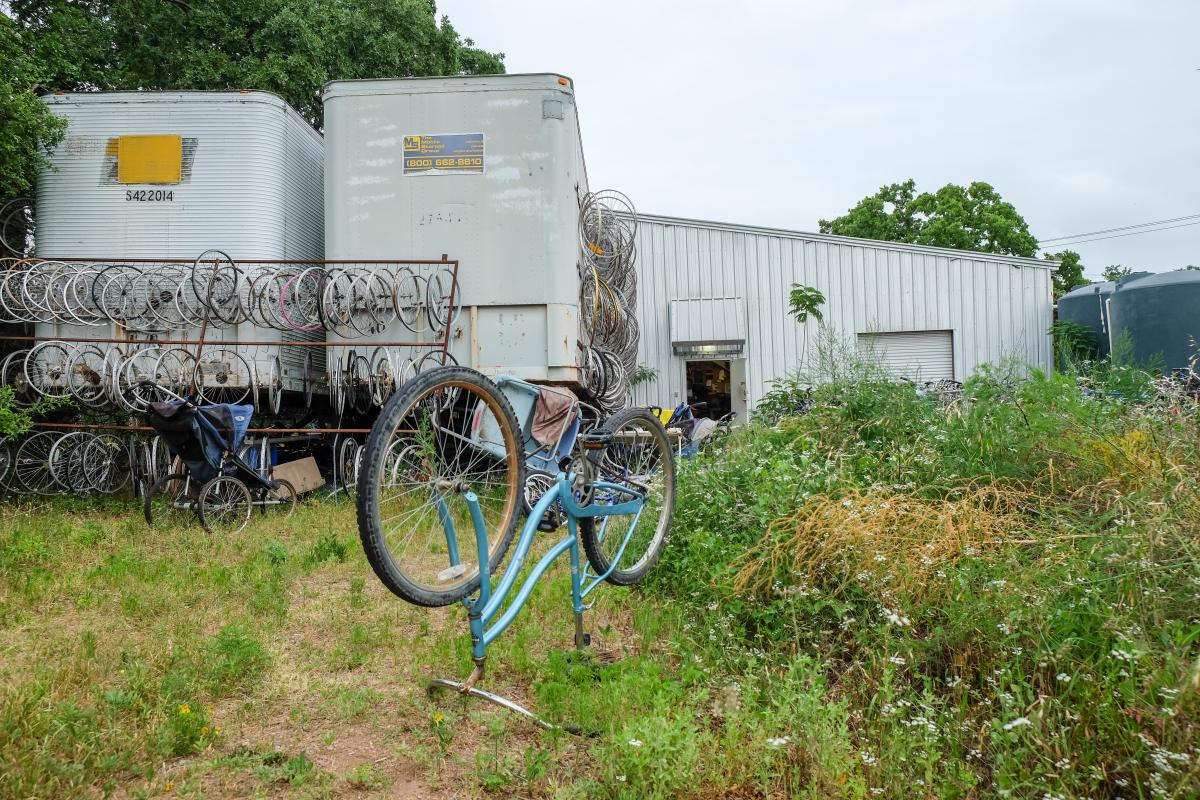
149 159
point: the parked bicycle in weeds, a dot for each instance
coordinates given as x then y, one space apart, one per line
442 490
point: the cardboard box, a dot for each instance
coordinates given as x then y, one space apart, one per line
302 474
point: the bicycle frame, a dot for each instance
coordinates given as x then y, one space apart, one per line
483 608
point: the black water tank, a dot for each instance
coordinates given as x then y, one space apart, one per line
1087 305
1161 314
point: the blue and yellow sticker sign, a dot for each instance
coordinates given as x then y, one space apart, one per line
443 154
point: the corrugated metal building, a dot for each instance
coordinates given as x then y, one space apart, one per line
713 308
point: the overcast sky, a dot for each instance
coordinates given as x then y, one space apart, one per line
1085 115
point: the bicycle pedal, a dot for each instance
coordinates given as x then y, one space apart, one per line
596 440
450 573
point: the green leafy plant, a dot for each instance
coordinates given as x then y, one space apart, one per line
15 420
367 777
298 770
495 767
234 658
1073 342
328 547
187 730
805 301
642 374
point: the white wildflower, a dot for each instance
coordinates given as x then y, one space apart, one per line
635 742
1017 723
779 741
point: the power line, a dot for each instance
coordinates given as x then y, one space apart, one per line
1133 233
1123 228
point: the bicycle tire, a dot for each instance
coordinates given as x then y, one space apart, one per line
166 489
283 498
646 543
6 462
310 377
416 448
224 505
347 464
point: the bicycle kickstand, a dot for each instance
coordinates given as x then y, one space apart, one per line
475 676
582 639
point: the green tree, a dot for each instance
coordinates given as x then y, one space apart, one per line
1114 272
1069 272
291 47
27 130
972 218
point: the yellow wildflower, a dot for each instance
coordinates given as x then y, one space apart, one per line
438 716
184 708
169 786
204 730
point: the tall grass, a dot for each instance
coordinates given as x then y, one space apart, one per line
1002 590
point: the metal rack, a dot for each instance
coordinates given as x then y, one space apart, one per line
147 346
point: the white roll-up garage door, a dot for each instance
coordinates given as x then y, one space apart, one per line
919 356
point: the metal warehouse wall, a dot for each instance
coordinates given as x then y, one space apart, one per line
996 306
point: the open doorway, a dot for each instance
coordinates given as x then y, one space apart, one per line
709 388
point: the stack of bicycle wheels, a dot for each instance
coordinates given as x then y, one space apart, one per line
608 296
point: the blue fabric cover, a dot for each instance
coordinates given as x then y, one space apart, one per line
241 423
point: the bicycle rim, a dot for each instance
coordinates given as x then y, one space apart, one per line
447 432
224 505
640 458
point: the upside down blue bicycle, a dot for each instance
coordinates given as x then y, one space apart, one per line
443 488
